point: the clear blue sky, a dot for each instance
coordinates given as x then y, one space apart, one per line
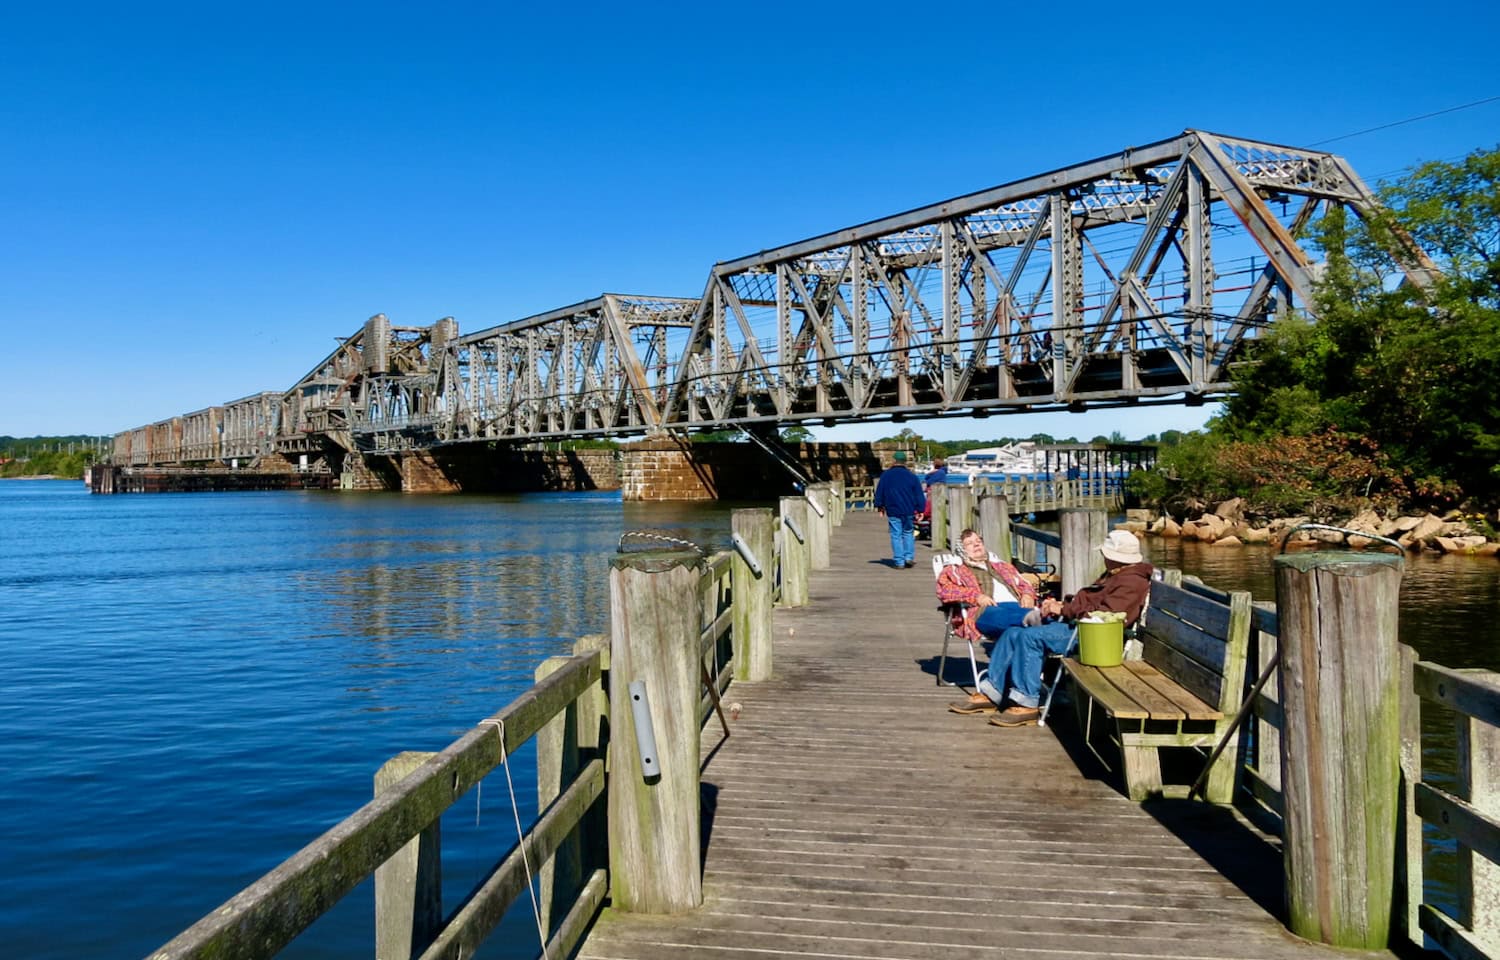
198 198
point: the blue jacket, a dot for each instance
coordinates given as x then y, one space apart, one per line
899 493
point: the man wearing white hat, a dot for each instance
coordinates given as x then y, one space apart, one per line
1019 651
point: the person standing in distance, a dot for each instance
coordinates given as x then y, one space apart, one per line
899 498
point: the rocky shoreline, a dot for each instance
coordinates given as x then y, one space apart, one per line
1225 524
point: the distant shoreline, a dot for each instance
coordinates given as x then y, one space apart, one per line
39 476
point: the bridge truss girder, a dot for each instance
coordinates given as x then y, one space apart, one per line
592 369
1135 277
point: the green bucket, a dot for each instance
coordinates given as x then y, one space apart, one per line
1101 644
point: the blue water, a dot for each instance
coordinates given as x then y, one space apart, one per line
194 686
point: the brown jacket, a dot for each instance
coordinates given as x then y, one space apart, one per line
1123 589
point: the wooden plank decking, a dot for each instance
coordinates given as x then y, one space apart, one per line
851 816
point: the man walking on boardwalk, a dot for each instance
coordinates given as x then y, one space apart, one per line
899 498
1019 651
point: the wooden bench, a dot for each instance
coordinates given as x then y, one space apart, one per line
1183 692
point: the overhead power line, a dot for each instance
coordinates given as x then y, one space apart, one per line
1397 123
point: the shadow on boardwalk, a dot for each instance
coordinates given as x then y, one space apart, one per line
850 815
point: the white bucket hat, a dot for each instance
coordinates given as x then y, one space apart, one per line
1121 546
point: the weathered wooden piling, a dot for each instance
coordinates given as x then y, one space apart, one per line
1081 532
819 525
836 493
654 823
994 525
939 496
1340 769
408 886
752 593
796 553
960 514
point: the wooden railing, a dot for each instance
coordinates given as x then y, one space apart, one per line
1467 815
395 836
266 916
860 497
1024 496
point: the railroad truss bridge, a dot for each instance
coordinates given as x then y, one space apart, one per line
1141 277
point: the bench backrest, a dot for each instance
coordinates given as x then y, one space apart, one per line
1199 642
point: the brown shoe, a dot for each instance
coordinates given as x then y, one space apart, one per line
1015 716
977 703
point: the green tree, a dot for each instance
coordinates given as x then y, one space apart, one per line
1412 369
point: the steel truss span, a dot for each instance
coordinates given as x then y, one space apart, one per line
1139 277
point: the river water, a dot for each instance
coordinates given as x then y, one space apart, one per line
196 685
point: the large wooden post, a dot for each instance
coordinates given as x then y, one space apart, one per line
819 526
408 886
796 553
836 493
940 535
994 525
1081 532
1340 763
752 594
960 514
654 820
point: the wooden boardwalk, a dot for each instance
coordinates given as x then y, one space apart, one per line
851 816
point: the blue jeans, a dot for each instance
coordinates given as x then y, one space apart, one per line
903 538
1019 651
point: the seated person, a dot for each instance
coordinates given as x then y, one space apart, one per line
1003 600
1019 650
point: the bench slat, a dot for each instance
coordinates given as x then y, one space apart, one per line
1202 682
1158 705
1181 698
1211 617
1203 648
1092 682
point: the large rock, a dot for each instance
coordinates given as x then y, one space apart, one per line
1428 526
1158 525
1135 513
1366 522
1490 549
1231 509
1136 527
1285 523
1215 523
1257 535
1403 524
1230 541
1171 528
1459 544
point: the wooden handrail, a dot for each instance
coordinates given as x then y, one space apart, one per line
268 914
